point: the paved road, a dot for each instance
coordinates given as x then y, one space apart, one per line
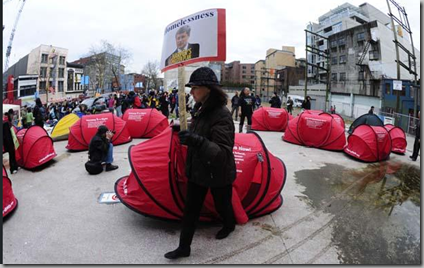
333 212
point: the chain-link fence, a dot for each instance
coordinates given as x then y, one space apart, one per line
406 122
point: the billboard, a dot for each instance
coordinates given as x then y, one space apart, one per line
198 37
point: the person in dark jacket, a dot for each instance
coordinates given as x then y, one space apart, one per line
371 111
417 142
235 104
39 113
210 161
247 105
275 101
101 149
306 104
164 104
8 144
290 105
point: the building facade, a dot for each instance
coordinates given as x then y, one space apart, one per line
48 63
266 81
361 55
238 73
75 85
102 69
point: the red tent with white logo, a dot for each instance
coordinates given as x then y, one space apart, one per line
81 132
398 137
156 186
369 143
145 123
9 200
35 147
270 119
317 129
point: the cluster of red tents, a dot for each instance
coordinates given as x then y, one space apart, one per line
270 119
156 185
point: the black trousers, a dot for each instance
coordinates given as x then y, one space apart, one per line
416 148
194 202
249 119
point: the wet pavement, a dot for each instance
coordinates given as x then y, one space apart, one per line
376 210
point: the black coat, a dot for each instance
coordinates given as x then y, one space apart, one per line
212 163
247 104
418 130
306 104
275 102
98 149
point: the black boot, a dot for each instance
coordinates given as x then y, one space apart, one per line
224 232
240 128
110 167
178 253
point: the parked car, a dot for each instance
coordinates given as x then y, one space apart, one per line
297 100
94 105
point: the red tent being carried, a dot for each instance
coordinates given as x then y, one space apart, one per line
317 129
9 200
398 137
369 143
156 187
270 119
81 132
35 147
145 123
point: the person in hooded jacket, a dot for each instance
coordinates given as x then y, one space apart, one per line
210 161
101 149
247 105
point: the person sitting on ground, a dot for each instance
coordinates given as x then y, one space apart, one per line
100 149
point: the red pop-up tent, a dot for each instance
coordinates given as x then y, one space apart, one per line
157 184
398 137
83 131
369 143
145 123
9 200
35 147
270 119
317 129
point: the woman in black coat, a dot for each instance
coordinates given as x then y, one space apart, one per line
210 161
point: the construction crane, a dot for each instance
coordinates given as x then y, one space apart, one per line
9 47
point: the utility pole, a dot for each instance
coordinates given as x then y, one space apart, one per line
397 54
412 64
181 97
322 53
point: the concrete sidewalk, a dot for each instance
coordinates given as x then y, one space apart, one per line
331 214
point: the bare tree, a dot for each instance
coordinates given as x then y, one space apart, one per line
106 60
151 71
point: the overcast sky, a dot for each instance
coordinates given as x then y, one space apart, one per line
253 26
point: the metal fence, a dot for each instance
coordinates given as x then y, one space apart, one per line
406 122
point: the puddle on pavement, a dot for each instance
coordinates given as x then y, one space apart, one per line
376 209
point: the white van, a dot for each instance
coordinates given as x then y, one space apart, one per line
297 100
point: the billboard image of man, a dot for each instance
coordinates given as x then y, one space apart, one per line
185 50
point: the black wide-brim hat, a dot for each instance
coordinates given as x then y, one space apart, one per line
204 76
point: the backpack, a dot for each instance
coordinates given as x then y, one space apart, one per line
93 168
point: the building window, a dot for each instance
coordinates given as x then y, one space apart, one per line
334 77
387 89
342 59
42 86
44 58
60 86
43 72
244 71
243 76
361 37
403 92
334 60
342 41
52 74
374 55
61 72
62 60
342 76
244 67
361 76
